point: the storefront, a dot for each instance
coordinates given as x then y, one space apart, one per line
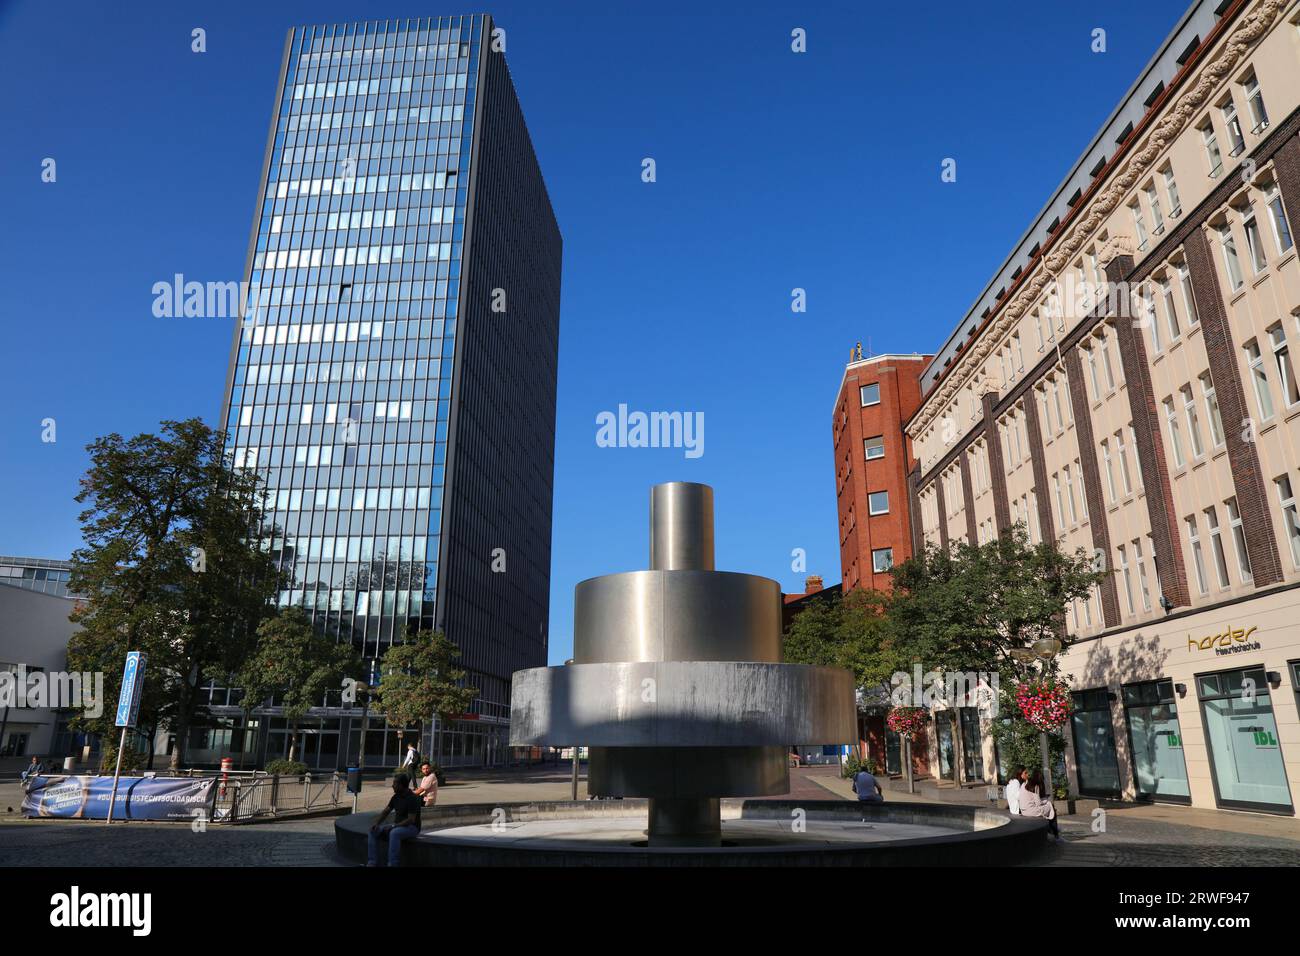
1200 709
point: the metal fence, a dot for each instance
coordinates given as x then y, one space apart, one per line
244 797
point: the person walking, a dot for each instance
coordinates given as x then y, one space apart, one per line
1013 789
406 823
1036 802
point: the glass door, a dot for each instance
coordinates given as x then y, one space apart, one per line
1245 756
1156 742
1094 743
893 752
943 730
972 750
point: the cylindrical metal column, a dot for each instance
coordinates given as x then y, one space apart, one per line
685 822
681 539
681 527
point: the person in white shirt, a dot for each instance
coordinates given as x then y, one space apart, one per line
1035 801
1013 789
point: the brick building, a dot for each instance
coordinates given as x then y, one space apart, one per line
873 459
873 456
1125 385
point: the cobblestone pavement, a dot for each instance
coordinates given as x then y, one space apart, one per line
92 843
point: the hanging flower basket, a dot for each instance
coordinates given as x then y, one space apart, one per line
907 721
1046 705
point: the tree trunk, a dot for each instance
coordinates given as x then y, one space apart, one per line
293 738
184 717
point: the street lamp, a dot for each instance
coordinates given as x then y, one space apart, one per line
575 758
1045 649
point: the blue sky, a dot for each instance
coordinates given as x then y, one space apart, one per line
775 170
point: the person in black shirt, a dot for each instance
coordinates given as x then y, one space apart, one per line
406 823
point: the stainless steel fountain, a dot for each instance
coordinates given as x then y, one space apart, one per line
677 685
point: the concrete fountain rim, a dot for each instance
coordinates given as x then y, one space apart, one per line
1004 839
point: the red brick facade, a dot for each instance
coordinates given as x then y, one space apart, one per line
861 533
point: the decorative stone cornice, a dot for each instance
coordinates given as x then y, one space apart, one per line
1250 27
1117 245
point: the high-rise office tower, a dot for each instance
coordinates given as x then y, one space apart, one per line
395 381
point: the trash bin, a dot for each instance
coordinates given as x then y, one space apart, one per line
354 780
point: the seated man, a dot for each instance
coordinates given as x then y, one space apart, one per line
428 788
867 788
34 769
406 823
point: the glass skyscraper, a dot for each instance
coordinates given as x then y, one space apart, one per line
394 375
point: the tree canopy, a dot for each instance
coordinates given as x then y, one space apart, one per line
171 565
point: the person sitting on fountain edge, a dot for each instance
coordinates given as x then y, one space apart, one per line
866 787
406 823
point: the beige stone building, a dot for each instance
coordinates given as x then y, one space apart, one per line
1126 384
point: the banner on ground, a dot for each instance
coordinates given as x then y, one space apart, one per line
138 798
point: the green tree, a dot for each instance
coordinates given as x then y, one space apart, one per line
295 665
419 678
849 631
171 565
966 607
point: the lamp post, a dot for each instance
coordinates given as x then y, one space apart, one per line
575 759
1042 651
1045 649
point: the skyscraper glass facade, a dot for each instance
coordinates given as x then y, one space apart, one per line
342 382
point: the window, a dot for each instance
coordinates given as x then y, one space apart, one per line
1128 580
1171 188
1091 356
1060 501
1290 520
1123 463
1020 355
875 447
1277 215
1259 376
878 503
1069 494
1282 356
1228 244
1239 539
870 394
1255 102
1198 559
1254 243
1171 311
1142 574
1083 494
1133 441
1153 202
1211 147
1193 421
1216 545
1175 438
1148 306
882 559
1045 411
1230 121
1110 469
1135 208
1105 361
1189 299
1212 407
